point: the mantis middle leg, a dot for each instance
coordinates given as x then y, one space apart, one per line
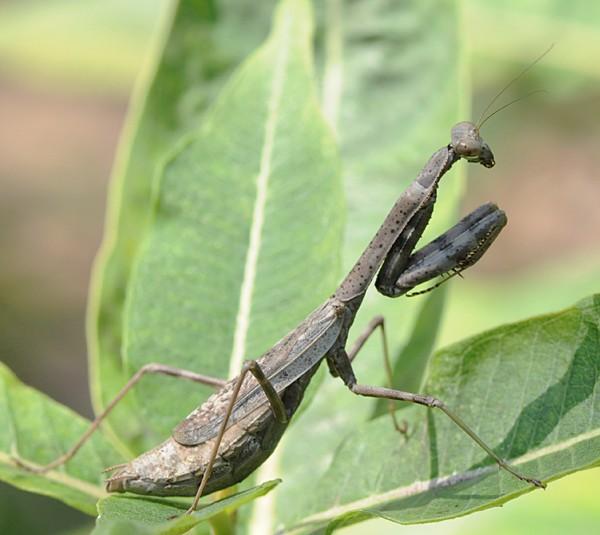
378 322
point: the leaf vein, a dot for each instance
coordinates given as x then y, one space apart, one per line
242 322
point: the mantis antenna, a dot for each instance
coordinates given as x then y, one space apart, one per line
535 91
510 83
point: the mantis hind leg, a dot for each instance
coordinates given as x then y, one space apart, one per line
148 368
430 401
277 406
449 254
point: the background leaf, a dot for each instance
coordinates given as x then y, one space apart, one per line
199 48
94 46
36 428
530 389
536 24
213 284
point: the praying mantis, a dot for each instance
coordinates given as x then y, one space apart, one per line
236 429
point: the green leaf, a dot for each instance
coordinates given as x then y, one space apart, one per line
37 429
143 516
529 389
198 50
212 283
402 89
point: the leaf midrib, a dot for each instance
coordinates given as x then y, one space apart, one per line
242 321
419 487
63 478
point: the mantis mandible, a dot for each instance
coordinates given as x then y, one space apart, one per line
236 429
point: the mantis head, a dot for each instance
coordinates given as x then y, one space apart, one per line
466 141
468 144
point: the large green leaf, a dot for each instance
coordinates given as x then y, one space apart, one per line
397 72
214 282
129 515
195 54
37 429
530 389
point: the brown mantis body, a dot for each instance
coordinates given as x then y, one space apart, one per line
237 428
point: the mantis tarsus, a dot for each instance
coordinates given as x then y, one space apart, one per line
225 439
